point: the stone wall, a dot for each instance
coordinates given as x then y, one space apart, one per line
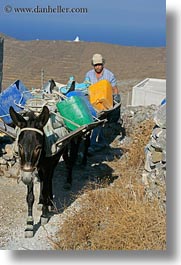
154 175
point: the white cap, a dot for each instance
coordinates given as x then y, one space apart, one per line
97 59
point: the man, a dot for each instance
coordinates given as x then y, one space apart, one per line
99 72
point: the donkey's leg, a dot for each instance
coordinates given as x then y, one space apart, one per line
30 200
70 158
44 200
86 146
46 196
66 159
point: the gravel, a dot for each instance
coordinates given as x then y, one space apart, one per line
13 218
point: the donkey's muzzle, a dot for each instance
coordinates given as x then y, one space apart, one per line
26 177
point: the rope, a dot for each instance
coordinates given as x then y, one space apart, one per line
70 121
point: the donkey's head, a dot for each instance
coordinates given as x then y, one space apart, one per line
30 140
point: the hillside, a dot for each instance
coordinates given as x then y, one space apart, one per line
59 59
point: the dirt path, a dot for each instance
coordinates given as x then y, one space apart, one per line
13 217
13 208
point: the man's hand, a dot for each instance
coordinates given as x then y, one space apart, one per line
117 98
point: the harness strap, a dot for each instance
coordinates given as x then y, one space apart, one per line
32 129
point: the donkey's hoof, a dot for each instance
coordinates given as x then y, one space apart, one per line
29 233
44 220
67 186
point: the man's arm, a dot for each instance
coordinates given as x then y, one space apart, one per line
113 84
115 90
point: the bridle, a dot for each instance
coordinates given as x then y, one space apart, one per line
32 129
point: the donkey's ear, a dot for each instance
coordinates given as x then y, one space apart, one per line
18 120
72 87
42 119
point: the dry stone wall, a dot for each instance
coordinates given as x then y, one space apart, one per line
154 175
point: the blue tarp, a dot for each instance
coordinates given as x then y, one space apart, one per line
16 94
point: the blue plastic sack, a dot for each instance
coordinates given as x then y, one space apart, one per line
163 101
16 94
82 87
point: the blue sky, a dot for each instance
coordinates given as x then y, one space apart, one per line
123 22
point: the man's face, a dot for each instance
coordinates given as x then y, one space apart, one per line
98 68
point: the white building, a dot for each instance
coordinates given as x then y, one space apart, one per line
149 91
77 39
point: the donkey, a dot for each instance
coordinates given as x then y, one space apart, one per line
31 148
